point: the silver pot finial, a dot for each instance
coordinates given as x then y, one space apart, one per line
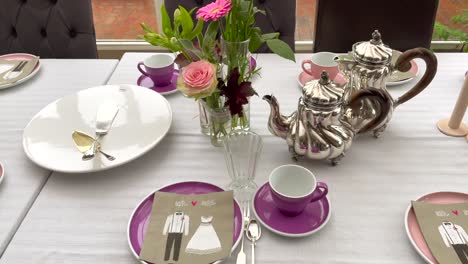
324 78
376 37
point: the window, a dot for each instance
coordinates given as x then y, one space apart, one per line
119 19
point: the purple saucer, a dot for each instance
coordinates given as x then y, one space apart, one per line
146 81
314 217
139 219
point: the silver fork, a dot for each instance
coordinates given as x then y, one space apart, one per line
16 71
241 257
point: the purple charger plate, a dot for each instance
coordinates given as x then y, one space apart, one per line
139 219
314 217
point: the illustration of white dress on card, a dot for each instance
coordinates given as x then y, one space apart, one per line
205 240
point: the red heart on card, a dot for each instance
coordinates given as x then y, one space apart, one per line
194 203
455 212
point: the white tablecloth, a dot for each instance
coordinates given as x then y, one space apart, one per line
83 218
24 180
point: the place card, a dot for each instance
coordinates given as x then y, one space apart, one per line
189 228
444 227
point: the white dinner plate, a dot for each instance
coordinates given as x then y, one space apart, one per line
144 118
19 56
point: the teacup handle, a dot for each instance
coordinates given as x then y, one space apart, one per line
305 62
141 69
403 64
321 193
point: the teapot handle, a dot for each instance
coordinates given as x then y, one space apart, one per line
403 64
376 95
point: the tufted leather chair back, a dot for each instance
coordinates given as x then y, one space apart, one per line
281 16
48 28
404 24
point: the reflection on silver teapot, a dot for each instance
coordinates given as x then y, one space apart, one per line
369 66
318 129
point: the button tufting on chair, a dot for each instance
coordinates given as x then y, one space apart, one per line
72 33
43 32
48 28
13 32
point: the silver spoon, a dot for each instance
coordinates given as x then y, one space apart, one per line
254 232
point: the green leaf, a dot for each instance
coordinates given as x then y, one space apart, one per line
193 9
196 31
212 30
186 21
146 28
281 49
255 42
267 36
166 23
188 45
256 10
244 10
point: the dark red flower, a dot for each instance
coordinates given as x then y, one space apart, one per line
236 91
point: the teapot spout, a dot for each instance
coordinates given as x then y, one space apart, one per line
278 124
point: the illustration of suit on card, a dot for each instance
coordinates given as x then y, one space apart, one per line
177 225
455 236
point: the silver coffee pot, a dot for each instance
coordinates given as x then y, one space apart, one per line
318 129
369 66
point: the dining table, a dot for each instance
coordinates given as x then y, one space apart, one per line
54 217
23 179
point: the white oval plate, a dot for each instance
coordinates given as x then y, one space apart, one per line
143 120
20 56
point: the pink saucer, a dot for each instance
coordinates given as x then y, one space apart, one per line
146 81
412 228
303 78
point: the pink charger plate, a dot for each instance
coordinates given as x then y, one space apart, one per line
17 57
412 228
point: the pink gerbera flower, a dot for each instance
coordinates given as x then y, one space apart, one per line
215 10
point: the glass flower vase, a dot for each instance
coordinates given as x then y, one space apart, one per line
204 118
242 122
236 54
219 122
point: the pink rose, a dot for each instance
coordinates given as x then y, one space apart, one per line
198 79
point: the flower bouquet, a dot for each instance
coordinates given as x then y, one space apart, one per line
216 61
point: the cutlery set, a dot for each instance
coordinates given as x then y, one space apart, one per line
252 231
88 145
18 71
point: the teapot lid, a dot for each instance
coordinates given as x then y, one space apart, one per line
373 51
322 92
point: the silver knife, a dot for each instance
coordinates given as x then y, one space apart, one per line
104 118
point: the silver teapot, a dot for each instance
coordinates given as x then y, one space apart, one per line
318 129
369 66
